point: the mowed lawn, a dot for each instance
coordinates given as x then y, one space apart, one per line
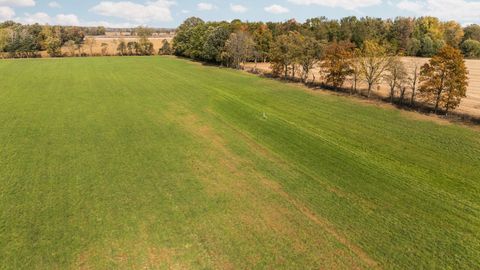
158 163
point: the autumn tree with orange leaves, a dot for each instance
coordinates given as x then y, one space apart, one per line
444 79
337 63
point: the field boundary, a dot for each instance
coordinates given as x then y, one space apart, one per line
375 99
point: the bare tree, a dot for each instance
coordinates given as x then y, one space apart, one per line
356 71
413 80
104 49
71 46
395 77
373 62
90 42
114 47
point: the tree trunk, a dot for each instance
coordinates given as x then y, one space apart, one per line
402 94
437 102
392 93
412 99
355 83
369 90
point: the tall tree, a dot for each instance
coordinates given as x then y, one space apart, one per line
166 48
471 48
286 53
295 50
413 81
453 33
355 67
401 33
444 79
133 48
472 32
122 47
430 32
184 37
90 42
104 47
395 77
145 47
53 45
263 38
239 47
337 63
310 55
71 46
5 34
215 43
373 61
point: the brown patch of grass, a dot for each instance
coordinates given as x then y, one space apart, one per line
327 226
253 188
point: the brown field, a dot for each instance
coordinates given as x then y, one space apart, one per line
112 45
469 105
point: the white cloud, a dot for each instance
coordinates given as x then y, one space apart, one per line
158 10
276 9
109 24
345 4
18 3
39 17
206 6
44 18
6 13
410 6
238 8
67 19
460 10
54 5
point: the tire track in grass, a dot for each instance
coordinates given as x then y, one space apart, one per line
305 210
231 163
325 224
358 155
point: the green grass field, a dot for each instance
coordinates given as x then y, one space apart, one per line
158 163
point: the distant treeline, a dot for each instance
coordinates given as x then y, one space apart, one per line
17 40
26 41
421 37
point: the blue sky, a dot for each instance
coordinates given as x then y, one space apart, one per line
170 13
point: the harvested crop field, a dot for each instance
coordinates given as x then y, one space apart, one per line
112 44
158 163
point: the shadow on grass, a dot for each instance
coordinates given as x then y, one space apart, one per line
405 105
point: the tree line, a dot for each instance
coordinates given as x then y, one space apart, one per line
26 41
422 37
366 52
17 40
